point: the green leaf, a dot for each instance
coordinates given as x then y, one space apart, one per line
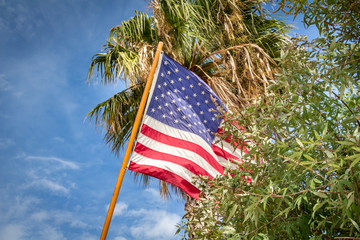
320 194
355 224
356 149
333 44
355 161
233 210
299 142
309 157
350 201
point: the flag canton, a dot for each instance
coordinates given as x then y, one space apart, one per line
182 100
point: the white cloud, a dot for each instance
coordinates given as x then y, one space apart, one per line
154 224
63 163
119 238
4 84
50 185
154 193
49 233
120 208
12 231
40 216
5 143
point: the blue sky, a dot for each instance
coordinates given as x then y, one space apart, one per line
56 174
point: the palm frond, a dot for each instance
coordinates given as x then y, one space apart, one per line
128 53
117 114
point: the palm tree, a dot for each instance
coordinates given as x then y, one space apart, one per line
230 44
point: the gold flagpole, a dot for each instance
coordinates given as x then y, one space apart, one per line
130 144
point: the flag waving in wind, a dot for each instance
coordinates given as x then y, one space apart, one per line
176 142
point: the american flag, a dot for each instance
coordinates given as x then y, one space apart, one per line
176 142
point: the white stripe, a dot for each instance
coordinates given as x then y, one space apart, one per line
178 133
179 152
168 166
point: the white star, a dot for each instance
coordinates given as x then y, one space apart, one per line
168 93
191 86
172 81
176 70
173 101
195 124
200 131
199 122
162 95
166 62
186 97
205 121
199 84
156 98
198 103
201 112
168 72
194 95
166 104
189 115
184 117
202 92
179 99
213 119
189 125
164 116
153 110
209 110
208 129
180 79
176 121
206 101
165 84
159 86
175 90
204 131
159 107
187 77
179 109
184 107
162 74
171 113
183 88
190 106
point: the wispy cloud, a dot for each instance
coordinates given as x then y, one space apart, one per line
5 143
154 224
120 208
4 84
62 162
149 223
50 185
12 231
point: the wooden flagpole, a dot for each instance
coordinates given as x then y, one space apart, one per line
131 143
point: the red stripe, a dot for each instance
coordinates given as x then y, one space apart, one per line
176 142
167 176
222 153
186 163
